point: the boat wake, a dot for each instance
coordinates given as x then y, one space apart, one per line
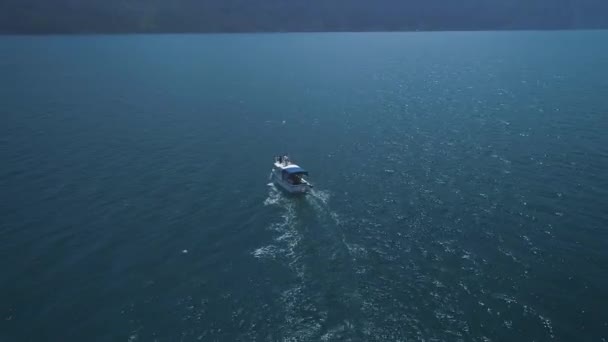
287 237
300 224
321 195
319 201
273 195
286 248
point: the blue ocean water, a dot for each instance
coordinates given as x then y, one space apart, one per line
460 187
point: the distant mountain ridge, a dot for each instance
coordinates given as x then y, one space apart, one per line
121 16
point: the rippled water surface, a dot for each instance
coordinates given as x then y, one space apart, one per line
460 187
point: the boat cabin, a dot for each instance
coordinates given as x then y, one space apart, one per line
293 174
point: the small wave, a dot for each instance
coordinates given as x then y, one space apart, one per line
356 250
547 324
507 299
269 252
336 218
509 254
448 247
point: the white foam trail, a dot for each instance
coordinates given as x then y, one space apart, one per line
288 237
286 248
319 199
321 195
273 195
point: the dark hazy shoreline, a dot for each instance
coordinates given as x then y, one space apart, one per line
245 16
45 34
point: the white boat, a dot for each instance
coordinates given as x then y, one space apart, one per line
289 176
